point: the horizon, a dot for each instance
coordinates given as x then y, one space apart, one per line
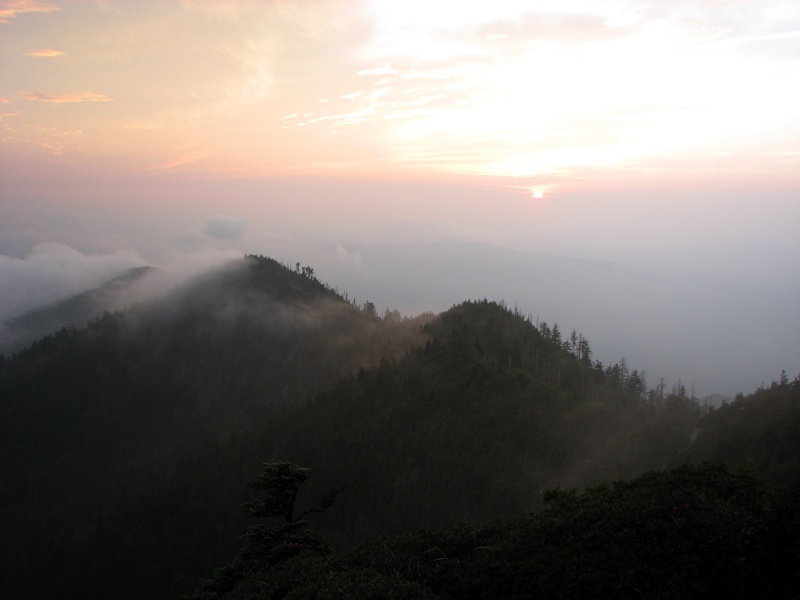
630 172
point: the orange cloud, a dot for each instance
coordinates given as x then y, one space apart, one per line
66 98
12 8
44 53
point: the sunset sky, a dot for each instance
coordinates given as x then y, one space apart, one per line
399 146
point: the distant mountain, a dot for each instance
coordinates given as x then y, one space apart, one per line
126 446
76 311
625 310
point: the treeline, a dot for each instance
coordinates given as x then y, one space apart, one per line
759 432
390 314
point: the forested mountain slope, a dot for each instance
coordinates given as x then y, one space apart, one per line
92 421
127 447
759 432
472 427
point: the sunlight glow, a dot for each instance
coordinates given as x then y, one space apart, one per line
508 89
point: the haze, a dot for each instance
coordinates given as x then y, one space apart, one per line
628 170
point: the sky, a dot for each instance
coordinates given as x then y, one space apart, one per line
627 169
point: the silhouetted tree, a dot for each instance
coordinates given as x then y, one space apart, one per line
279 484
269 545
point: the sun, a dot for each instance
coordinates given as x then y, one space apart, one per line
537 193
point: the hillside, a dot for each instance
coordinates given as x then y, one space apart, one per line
93 421
472 427
127 446
76 311
759 433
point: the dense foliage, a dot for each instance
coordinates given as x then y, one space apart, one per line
692 532
760 433
126 447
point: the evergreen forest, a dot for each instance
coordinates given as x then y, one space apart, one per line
258 434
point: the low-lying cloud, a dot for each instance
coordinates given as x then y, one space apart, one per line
53 272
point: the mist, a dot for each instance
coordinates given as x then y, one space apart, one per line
53 271
698 285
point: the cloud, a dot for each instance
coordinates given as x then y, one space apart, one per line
406 89
225 228
53 140
12 8
53 272
45 53
348 257
66 98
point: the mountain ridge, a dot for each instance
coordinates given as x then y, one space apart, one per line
133 439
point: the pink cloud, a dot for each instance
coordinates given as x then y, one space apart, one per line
11 8
66 98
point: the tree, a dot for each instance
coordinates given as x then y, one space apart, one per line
269 545
555 335
392 315
279 484
573 343
544 330
585 351
637 384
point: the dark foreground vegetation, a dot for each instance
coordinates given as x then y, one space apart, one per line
691 532
126 448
